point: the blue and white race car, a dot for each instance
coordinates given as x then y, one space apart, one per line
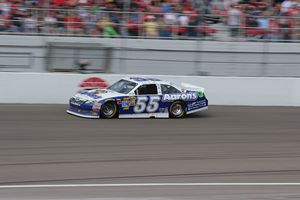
138 98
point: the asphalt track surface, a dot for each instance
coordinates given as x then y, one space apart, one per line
41 144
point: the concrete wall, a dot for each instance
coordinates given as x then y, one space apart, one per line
59 87
166 56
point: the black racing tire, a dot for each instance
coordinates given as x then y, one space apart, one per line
109 110
177 109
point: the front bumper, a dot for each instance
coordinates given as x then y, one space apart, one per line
83 113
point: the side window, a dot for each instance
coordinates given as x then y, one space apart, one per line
168 89
147 89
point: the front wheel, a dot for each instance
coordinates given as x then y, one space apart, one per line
109 110
177 110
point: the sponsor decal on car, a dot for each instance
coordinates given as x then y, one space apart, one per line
132 101
119 101
196 104
126 102
200 94
75 103
96 107
90 94
184 96
94 82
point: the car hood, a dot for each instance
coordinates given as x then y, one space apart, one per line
95 95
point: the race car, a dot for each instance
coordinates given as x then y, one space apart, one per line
138 97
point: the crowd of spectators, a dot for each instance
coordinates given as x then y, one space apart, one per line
152 18
280 20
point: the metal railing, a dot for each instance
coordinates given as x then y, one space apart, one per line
89 23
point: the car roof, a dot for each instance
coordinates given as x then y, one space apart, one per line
146 80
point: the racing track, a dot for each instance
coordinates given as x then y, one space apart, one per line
41 144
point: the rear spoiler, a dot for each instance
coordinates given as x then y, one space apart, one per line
191 87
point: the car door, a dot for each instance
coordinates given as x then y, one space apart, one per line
147 99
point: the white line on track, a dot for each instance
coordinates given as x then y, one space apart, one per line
145 185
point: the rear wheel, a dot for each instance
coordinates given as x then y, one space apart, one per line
177 109
109 110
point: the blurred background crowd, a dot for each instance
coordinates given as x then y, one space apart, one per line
251 19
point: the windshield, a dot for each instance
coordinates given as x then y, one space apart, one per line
122 86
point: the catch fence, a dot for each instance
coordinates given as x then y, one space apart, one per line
143 25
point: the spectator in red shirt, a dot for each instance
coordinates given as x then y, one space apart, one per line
74 24
59 2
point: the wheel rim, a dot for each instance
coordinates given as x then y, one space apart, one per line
108 109
177 109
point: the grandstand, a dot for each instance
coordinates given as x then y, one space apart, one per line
179 37
164 19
